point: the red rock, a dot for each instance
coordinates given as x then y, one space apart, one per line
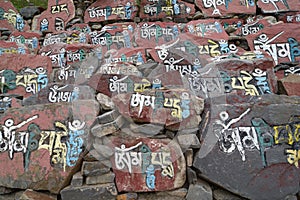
66 37
151 165
290 17
278 6
154 9
151 34
10 17
45 154
30 39
291 84
56 17
281 41
214 8
12 48
26 76
103 10
208 28
84 28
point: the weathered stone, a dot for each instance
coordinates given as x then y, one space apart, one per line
105 102
291 84
99 179
290 17
178 194
173 108
191 176
128 196
108 117
278 35
214 9
29 39
162 168
154 10
4 190
11 196
248 145
106 191
29 12
101 130
110 10
56 17
48 157
291 197
55 93
95 168
189 156
146 129
103 150
34 195
77 180
200 190
280 6
188 141
220 194
27 76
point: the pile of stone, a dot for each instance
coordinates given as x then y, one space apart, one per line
145 99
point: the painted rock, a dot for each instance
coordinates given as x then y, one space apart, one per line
281 41
81 27
176 109
290 17
30 39
148 164
250 145
217 8
56 17
66 37
12 48
27 76
103 10
42 154
154 9
10 18
151 34
208 28
278 6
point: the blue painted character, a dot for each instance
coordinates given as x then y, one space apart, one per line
150 177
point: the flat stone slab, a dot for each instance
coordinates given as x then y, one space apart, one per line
148 165
30 39
56 17
12 48
42 154
216 8
280 41
27 76
105 10
250 145
290 17
278 6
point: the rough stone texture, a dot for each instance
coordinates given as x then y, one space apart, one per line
99 179
30 11
201 189
154 10
110 10
160 166
188 141
108 117
291 84
95 168
178 194
103 150
225 8
33 195
278 6
77 180
56 17
47 158
101 192
146 129
290 17
31 40
220 194
101 130
4 190
260 164
189 156
127 196
191 176
27 76
105 102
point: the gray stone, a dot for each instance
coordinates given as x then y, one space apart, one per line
29 12
100 130
200 190
259 165
191 176
77 180
220 194
106 191
99 179
103 150
146 129
11 196
95 168
188 131
291 197
105 102
188 141
34 195
178 194
108 117
5 190
189 157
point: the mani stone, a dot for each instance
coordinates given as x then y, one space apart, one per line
249 145
200 190
27 75
152 164
105 191
48 129
56 17
213 9
108 117
127 196
278 6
